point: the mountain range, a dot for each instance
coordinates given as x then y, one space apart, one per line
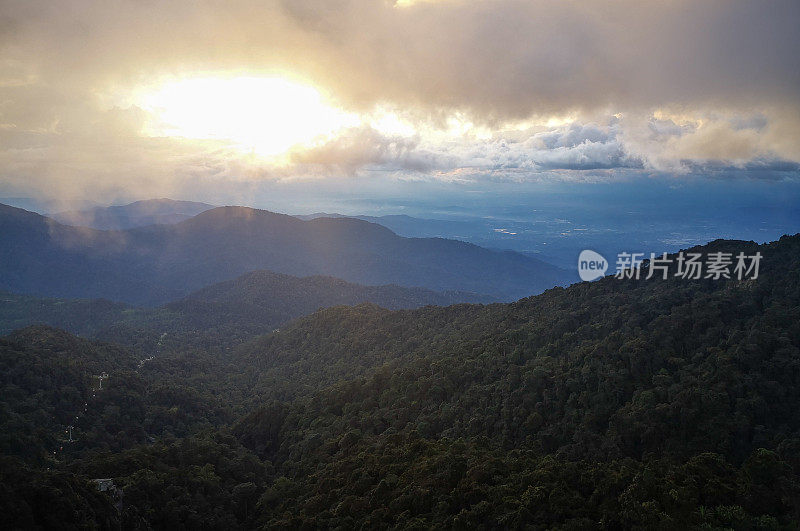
155 264
137 214
619 404
254 303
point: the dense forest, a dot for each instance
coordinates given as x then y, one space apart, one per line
231 311
633 404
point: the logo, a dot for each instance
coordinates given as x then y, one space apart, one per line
591 265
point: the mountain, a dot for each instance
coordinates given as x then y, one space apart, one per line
137 214
267 297
47 376
316 215
409 226
44 206
618 404
84 317
155 264
43 257
252 304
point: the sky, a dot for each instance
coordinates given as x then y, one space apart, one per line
301 105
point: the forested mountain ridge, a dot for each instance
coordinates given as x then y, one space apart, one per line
230 311
47 376
632 404
251 295
694 382
158 263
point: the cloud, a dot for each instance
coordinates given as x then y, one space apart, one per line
571 147
673 142
674 86
359 147
510 58
719 145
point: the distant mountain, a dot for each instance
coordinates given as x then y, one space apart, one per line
316 215
45 206
138 214
43 257
407 226
158 263
538 240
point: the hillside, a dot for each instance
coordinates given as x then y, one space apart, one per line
136 214
155 264
640 403
264 298
234 310
616 404
84 317
46 380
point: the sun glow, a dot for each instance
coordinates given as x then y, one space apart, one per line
265 116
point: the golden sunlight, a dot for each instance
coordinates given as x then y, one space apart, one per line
266 116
